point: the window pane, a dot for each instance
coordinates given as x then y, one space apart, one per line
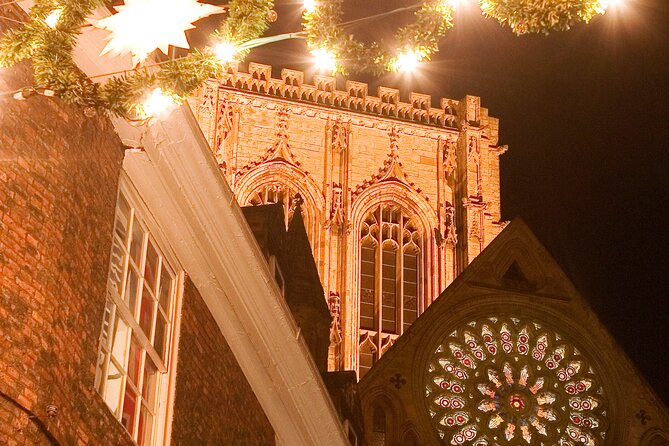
122 218
116 265
129 406
131 290
161 335
389 291
151 267
166 282
145 428
410 297
100 369
367 287
107 324
137 241
146 313
120 342
113 390
150 383
134 361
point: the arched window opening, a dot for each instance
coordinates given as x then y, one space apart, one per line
389 289
410 439
368 354
276 193
390 281
367 284
379 427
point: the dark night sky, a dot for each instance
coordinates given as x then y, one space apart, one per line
584 113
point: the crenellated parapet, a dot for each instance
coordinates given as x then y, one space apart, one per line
355 97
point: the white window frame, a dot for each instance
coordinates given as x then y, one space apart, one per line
115 305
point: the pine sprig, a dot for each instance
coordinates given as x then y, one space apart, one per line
50 51
540 16
323 29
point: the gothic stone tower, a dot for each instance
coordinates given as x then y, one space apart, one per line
397 197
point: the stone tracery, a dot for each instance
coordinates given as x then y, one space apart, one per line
507 382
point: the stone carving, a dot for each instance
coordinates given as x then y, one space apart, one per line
449 159
334 302
280 149
225 119
337 215
398 380
451 235
340 133
391 169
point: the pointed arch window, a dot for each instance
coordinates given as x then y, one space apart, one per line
277 193
379 427
390 281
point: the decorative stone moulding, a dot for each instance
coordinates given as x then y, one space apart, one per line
323 92
512 382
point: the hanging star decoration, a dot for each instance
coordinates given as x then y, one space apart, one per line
141 26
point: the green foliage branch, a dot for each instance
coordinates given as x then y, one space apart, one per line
323 27
541 16
50 51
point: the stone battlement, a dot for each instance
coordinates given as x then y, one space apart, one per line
355 98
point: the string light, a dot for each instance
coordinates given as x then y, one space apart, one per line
310 5
225 52
450 4
324 60
407 62
52 19
156 103
606 4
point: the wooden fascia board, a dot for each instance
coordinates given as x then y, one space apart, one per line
177 177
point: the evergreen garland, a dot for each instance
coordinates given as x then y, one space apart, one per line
324 31
541 16
50 51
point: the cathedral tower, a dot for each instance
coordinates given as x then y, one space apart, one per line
397 197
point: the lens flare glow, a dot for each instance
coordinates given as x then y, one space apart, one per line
324 60
157 103
407 62
225 52
52 19
451 4
310 5
604 5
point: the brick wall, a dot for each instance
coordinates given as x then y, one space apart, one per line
58 180
214 403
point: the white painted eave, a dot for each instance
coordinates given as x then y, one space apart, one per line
177 177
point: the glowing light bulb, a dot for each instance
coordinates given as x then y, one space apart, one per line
54 16
310 5
225 52
324 60
157 103
451 4
606 4
407 62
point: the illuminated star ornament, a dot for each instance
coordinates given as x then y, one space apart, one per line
141 26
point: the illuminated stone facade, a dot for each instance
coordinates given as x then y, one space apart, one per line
397 197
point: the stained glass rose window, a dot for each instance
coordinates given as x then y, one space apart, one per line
508 382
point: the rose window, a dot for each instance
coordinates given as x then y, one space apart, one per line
506 382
